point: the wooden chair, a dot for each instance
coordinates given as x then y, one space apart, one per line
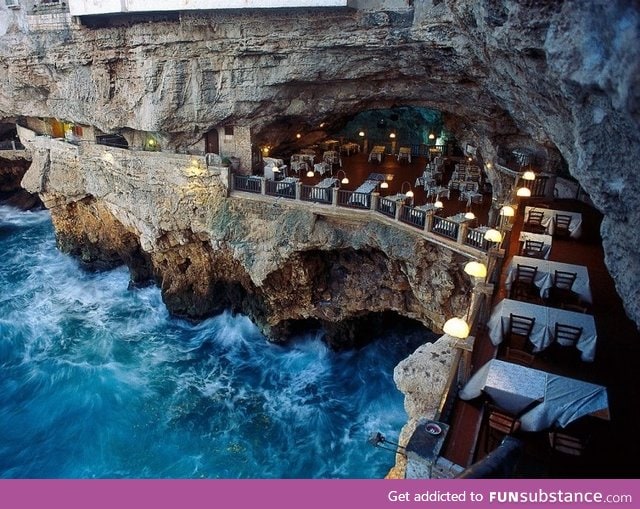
520 357
499 423
567 335
563 348
561 225
523 287
561 289
567 444
533 249
533 222
518 334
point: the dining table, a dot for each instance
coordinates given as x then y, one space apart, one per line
361 194
350 148
404 153
547 241
322 168
545 274
543 331
575 227
323 189
539 400
377 152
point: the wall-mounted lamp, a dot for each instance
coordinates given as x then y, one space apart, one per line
432 136
298 135
523 192
361 134
384 185
507 211
345 179
409 193
392 136
469 215
476 269
457 328
493 235
438 204
528 175
310 173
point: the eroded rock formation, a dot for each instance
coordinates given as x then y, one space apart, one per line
12 169
287 265
564 76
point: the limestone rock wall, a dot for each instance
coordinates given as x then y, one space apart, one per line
13 165
286 265
564 75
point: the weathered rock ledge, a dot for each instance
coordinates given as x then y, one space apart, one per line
285 265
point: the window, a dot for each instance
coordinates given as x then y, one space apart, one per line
12 4
228 131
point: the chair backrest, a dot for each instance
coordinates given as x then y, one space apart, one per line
562 221
521 325
502 421
564 280
526 273
521 357
534 247
567 444
567 335
535 217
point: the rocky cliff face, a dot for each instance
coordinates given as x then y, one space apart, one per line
559 76
288 266
13 166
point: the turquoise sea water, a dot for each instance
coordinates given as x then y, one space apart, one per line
98 380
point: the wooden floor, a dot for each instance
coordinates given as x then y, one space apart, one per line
615 449
403 176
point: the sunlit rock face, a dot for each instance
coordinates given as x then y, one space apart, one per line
561 76
289 267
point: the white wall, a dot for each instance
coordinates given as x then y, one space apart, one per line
86 7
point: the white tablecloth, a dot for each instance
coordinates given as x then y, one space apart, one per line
404 153
575 228
350 147
547 240
322 190
367 187
287 183
544 276
376 153
514 388
322 168
544 326
510 387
